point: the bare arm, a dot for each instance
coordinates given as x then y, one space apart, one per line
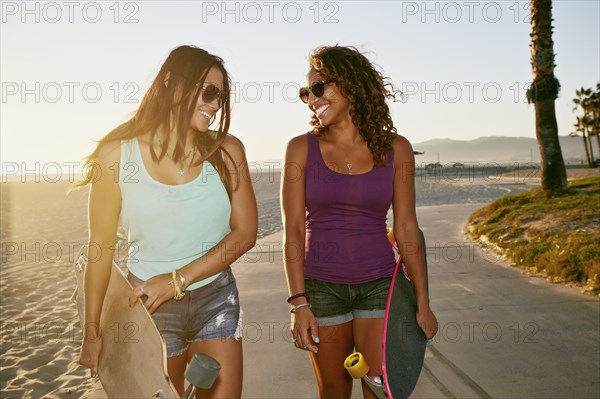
293 212
406 231
243 221
104 207
293 209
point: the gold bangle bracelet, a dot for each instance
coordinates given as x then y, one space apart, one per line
179 294
182 279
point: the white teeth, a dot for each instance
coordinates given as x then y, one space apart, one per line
321 109
206 114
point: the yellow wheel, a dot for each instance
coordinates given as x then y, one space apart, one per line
390 235
356 365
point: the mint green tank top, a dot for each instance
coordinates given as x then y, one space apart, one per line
169 226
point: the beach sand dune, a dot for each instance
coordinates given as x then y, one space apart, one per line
42 228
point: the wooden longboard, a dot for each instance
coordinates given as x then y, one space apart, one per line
404 342
133 361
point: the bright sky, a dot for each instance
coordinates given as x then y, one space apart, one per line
71 71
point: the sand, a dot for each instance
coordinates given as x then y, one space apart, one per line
42 228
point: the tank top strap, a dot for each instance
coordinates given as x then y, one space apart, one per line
126 151
313 149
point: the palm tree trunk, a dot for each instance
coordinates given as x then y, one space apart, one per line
596 121
553 167
587 151
543 92
589 137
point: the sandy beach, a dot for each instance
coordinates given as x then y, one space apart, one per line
42 229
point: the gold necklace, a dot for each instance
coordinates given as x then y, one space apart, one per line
185 158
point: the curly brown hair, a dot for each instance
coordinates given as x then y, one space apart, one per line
366 88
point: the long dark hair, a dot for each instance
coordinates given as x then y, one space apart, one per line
366 88
168 104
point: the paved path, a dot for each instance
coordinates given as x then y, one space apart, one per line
502 334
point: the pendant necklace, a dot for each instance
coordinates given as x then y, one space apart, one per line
185 158
349 166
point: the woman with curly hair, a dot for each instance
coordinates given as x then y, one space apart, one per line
177 188
338 184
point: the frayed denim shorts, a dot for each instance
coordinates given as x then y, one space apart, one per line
334 304
209 312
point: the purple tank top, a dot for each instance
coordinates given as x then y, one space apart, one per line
346 238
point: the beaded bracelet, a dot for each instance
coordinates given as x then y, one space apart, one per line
298 295
293 310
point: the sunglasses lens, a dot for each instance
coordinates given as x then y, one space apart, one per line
317 88
210 93
303 93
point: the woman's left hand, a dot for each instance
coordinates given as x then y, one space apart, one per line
157 291
427 321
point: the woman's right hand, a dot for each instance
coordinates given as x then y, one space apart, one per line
90 353
305 330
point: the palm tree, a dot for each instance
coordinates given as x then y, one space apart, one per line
594 109
588 124
542 93
580 127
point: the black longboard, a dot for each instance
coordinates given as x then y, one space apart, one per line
403 340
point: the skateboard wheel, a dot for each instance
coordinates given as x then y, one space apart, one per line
356 365
390 235
202 371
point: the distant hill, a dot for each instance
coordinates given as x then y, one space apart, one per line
498 149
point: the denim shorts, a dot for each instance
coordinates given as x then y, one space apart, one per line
334 304
208 312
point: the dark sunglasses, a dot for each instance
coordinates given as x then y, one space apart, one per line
316 88
210 93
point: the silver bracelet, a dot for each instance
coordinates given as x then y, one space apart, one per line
293 310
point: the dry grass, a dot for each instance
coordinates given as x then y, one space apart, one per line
556 237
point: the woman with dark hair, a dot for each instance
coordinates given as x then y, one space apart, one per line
178 190
338 184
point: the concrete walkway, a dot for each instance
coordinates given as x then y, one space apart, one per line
502 334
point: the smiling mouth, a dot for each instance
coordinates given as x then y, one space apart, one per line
205 114
319 111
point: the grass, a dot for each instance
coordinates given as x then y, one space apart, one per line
558 237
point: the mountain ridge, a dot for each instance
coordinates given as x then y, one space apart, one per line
493 149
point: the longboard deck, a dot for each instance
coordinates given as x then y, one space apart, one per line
404 342
133 361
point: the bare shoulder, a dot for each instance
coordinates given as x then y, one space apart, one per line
231 142
403 150
234 147
297 147
104 170
109 157
299 142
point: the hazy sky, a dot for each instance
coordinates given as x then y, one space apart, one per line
71 71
